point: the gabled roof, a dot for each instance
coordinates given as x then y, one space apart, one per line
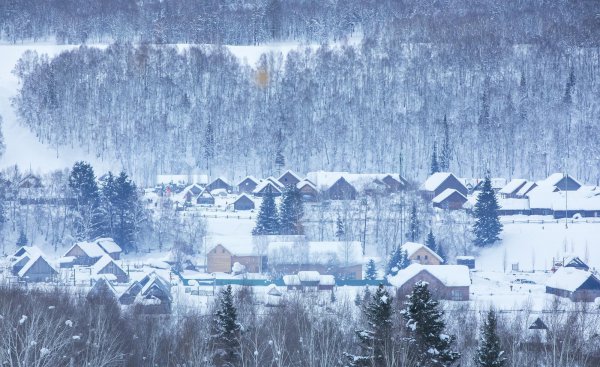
225 181
529 185
263 185
91 249
445 195
205 194
449 275
251 178
102 263
412 247
290 172
555 178
29 250
273 291
103 282
534 322
109 245
570 279
32 261
576 262
303 183
435 180
242 196
514 185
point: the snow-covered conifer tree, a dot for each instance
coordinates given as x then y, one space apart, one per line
489 352
487 225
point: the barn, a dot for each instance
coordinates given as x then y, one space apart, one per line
205 198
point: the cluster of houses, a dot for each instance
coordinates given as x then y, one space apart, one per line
558 195
574 280
315 186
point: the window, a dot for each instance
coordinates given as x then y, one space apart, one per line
418 257
425 257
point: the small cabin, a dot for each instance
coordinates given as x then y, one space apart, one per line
34 269
450 199
248 184
289 178
341 190
219 183
439 182
421 254
308 191
243 202
205 198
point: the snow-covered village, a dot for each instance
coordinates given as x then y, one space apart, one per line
277 183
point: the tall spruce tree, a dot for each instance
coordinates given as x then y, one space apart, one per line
291 212
267 221
340 231
398 261
487 227
489 351
435 246
425 323
414 228
446 153
435 166
82 182
226 331
371 270
376 339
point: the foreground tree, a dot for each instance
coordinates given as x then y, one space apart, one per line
489 352
226 331
267 221
425 323
377 338
487 227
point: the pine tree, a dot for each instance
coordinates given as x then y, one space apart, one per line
371 271
267 221
398 261
22 240
489 352
426 326
414 229
226 330
487 225
446 153
376 339
82 182
291 212
340 231
433 245
435 167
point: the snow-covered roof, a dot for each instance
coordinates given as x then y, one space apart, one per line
251 178
555 178
449 275
290 172
102 263
204 194
32 261
91 249
316 252
327 279
435 180
575 200
272 290
243 195
323 180
29 250
109 245
291 280
513 204
514 185
263 184
445 195
412 247
569 279
541 197
529 185
225 181
309 276
303 183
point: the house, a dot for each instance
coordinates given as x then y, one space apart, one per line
308 191
540 200
128 297
421 254
575 262
221 260
439 182
205 198
154 295
449 199
343 259
107 268
395 182
190 192
83 253
448 282
561 181
341 190
101 291
497 184
309 281
110 247
27 250
33 268
344 185
219 183
289 178
512 188
248 184
576 284
525 189
265 187
243 202
573 204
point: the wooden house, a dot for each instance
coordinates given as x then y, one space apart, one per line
439 182
448 282
219 183
308 191
128 297
449 199
221 260
512 188
248 184
34 269
107 268
289 178
576 262
205 198
152 294
266 187
341 190
243 202
110 247
395 182
576 284
421 254
84 253
561 181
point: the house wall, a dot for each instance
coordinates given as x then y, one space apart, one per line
112 268
247 186
288 179
451 183
80 257
218 260
218 184
341 190
424 257
40 272
453 202
437 288
568 184
243 204
308 193
392 184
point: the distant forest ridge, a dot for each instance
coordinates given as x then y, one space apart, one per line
468 22
382 106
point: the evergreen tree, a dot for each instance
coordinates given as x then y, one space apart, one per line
398 261
371 271
226 330
22 240
436 247
82 182
267 222
489 352
435 166
414 229
377 337
291 212
209 145
340 231
446 154
426 326
487 225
